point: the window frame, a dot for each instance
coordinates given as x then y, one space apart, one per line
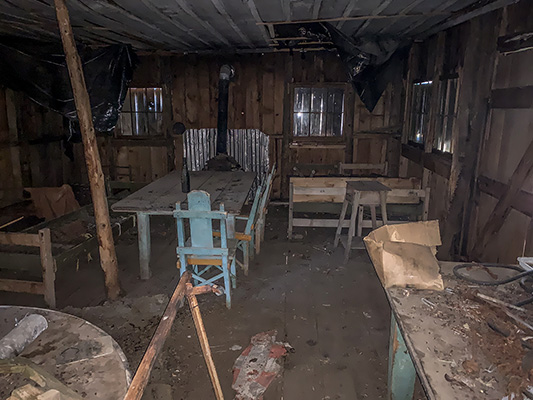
119 129
319 139
442 118
412 112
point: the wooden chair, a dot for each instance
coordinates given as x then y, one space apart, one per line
263 210
202 252
408 197
367 169
246 238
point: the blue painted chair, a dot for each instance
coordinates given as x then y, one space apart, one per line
203 253
246 239
263 209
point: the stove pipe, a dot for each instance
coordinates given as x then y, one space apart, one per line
226 75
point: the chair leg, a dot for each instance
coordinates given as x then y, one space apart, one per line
257 240
195 269
227 285
233 274
246 257
251 246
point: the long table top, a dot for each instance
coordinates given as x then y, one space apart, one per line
161 196
444 330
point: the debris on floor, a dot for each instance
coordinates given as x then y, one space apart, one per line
257 366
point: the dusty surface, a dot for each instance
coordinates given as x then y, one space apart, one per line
460 355
336 317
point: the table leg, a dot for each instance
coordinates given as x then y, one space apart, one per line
351 230
143 231
402 372
383 200
341 221
373 216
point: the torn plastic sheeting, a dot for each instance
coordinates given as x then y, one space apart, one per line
257 366
372 63
39 70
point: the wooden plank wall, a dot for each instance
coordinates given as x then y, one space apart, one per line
507 133
260 98
257 99
31 149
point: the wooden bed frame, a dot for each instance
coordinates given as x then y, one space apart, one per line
52 255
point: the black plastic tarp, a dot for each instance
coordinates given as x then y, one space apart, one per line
39 70
371 63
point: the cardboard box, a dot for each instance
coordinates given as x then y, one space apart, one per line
404 255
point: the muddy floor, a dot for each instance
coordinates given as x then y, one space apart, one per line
335 317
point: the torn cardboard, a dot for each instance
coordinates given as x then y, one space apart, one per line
404 255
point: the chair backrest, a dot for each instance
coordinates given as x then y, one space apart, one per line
252 217
369 168
200 217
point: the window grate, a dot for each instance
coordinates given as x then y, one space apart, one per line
318 112
142 113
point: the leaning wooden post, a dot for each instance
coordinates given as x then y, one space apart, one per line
108 257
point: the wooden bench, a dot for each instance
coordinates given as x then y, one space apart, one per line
331 190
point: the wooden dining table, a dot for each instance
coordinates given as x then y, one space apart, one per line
230 188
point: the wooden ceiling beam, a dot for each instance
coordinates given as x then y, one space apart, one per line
357 18
466 14
219 5
202 22
264 29
378 10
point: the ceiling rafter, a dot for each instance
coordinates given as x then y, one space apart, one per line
175 23
185 7
132 17
316 8
404 11
356 18
345 14
219 5
253 9
378 10
440 8
466 14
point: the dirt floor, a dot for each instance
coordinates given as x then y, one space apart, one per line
336 317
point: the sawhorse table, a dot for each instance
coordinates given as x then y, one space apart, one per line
361 193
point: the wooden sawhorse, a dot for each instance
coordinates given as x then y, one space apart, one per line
364 193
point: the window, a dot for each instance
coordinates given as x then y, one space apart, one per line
447 115
142 113
318 112
420 111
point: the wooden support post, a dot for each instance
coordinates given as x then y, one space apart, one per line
204 343
140 380
108 258
503 207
